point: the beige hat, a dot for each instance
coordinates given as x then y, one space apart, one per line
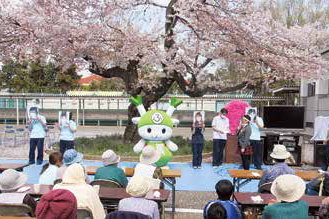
74 174
149 155
11 180
109 157
288 188
280 152
138 186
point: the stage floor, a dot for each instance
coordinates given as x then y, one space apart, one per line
203 179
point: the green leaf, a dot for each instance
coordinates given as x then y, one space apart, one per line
175 102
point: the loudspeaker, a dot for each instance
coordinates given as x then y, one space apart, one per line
319 153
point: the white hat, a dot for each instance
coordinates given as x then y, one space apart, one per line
109 157
74 174
149 155
11 180
288 188
280 152
138 186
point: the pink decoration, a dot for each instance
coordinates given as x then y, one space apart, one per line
236 109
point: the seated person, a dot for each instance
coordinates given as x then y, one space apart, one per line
324 209
110 170
279 154
287 189
70 156
313 187
146 168
224 190
10 181
57 204
74 181
48 173
215 210
138 187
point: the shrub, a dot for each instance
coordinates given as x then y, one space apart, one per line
97 145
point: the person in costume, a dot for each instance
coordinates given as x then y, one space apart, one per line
155 128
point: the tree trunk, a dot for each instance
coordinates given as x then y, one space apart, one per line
131 134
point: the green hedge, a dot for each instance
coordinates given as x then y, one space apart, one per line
98 144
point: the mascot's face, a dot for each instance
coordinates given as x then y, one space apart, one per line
155 125
155 132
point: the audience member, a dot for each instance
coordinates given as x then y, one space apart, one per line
224 189
215 210
57 204
243 134
10 182
220 125
287 189
137 187
70 156
324 209
110 171
49 170
279 154
74 181
146 166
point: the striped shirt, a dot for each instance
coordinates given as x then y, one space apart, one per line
140 205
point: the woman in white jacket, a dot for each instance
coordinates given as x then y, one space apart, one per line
74 181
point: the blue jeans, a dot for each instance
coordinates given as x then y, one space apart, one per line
36 143
197 154
65 145
325 160
217 151
256 153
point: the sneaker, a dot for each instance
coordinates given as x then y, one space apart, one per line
199 167
31 162
194 167
39 163
215 167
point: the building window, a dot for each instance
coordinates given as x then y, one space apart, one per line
311 89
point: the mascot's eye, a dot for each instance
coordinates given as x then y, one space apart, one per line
149 130
163 131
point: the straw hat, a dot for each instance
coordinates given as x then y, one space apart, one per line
11 180
109 157
280 152
72 156
288 188
138 186
149 155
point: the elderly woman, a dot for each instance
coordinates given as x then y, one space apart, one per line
244 148
110 170
10 183
74 181
138 187
59 204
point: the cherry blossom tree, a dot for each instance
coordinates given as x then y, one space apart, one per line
151 44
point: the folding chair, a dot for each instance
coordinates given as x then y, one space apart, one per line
84 213
20 136
265 188
15 210
106 183
9 136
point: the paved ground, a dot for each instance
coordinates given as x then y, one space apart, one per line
19 149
